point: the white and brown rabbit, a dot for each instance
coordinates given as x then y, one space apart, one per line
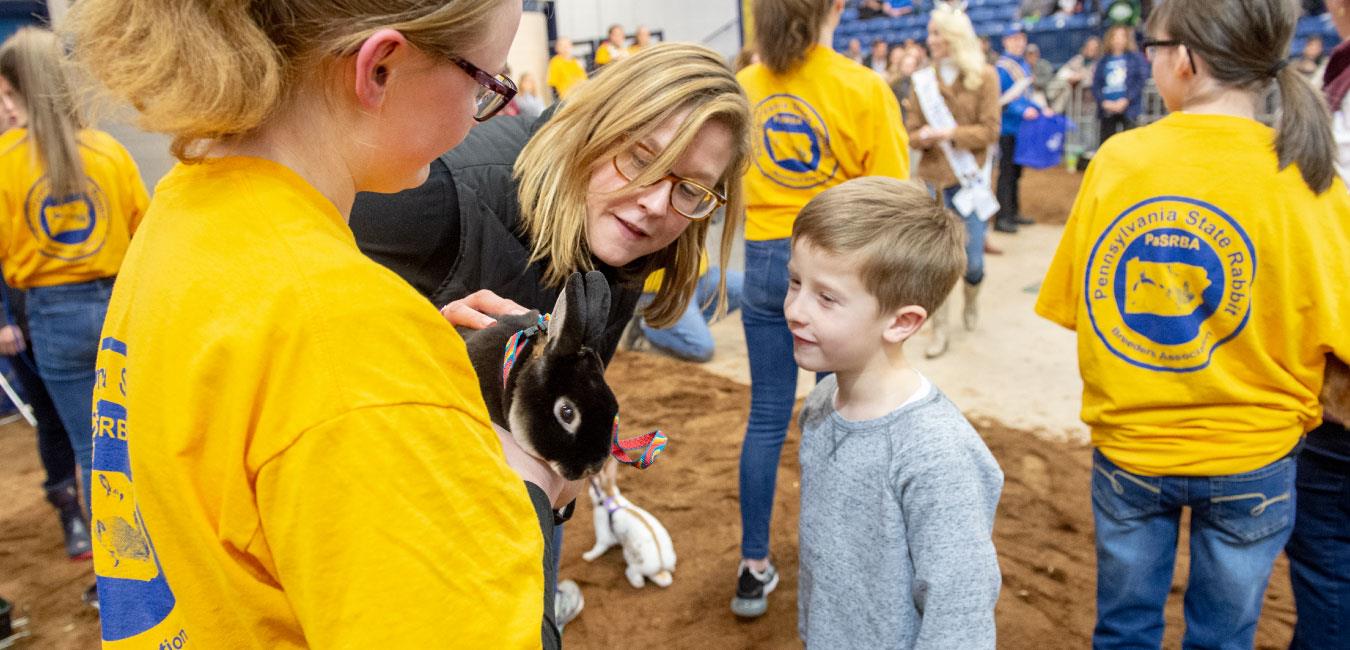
647 549
553 398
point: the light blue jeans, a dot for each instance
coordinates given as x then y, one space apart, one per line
689 338
976 231
1239 523
66 321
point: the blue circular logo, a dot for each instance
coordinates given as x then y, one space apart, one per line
68 228
1169 282
792 143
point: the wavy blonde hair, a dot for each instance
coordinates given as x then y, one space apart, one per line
34 65
608 114
964 45
206 70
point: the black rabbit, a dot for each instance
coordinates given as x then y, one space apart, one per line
553 398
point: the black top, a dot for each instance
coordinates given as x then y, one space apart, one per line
460 231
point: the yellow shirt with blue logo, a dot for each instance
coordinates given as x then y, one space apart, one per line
290 445
826 121
1206 290
46 240
564 73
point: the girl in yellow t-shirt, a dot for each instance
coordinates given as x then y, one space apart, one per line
71 198
290 446
613 48
820 120
1203 268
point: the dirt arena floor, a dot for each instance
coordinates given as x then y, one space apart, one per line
1043 531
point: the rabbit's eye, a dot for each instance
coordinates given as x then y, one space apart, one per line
566 412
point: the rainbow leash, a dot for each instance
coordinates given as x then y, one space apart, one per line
650 444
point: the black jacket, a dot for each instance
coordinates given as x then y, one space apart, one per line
459 232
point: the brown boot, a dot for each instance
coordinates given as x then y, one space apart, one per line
970 314
937 343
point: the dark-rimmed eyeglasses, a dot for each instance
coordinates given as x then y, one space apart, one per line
1151 43
693 200
494 92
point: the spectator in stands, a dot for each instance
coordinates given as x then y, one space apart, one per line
1032 11
902 68
868 9
987 45
878 58
641 39
1041 70
1118 82
855 51
564 72
614 48
1072 74
959 89
1319 550
920 52
825 121
1311 61
1014 81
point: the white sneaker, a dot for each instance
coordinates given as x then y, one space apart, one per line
567 603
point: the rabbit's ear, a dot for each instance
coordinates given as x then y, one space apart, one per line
567 331
597 308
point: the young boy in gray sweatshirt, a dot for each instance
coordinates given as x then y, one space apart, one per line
898 490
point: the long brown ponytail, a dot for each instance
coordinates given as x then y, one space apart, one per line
1244 44
33 63
785 30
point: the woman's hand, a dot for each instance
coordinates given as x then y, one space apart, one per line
11 340
560 491
472 310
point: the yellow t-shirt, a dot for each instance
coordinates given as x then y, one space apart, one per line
1205 289
290 445
564 73
609 53
825 122
654 279
46 242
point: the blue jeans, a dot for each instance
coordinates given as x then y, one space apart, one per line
976 231
66 321
773 387
58 457
689 338
1239 523
1319 550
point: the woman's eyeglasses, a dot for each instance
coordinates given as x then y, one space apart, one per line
1151 43
693 200
494 92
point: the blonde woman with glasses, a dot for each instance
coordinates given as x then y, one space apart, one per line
622 177
290 447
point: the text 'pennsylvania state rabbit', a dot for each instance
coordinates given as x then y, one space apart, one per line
543 381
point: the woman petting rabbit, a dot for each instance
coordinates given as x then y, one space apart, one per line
622 178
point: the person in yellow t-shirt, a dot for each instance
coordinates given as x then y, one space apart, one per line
1205 281
642 39
820 120
613 48
564 72
71 199
290 445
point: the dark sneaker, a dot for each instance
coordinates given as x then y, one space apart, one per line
91 596
66 499
752 591
1023 220
1005 226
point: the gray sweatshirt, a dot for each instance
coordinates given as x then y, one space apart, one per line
897 522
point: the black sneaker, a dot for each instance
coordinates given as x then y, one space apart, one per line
66 499
1005 226
91 596
752 591
1023 220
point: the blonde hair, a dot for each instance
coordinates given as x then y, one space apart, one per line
206 70
785 30
910 250
613 111
33 63
965 47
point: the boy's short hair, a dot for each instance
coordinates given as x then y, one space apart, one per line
910 249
